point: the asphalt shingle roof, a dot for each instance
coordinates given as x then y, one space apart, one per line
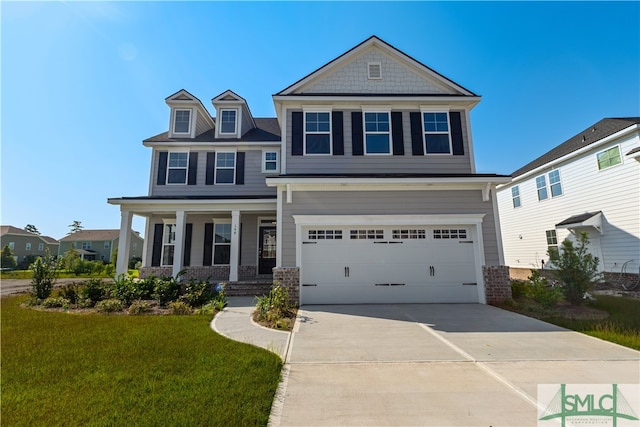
267 130
10 229
91 235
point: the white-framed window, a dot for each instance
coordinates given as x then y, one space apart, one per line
324 235
608 158
168 244
228 121
437 139
270 162
554 183
225 172
177 167
41 247
86 245
541 185
554 188
182 121
317 132
12 245
449 234
27 246
409 234
515 196
374 70
366 234
552 241
106 244
221 243
377 135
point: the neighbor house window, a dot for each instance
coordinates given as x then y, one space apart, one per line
376 130
228 121
86 245
225 168
270 161
12 245
27 246
317 133
177 168
168 243
515 196
41 247
436 133
222 244
608 158
552 241
106 244
182 121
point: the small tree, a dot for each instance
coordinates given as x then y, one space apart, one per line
69 259
576 268
8 260
32 229
45 273
76 226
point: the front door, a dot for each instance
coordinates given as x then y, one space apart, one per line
267 250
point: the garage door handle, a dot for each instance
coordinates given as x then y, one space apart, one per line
378 243
395 243
381 284
469 284
309 243
346 272
466 241
396 284
432 270
309 284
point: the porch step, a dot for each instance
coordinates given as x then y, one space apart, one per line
247 289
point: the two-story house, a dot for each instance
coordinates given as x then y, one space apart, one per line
589 183
26 246
362 190
100 245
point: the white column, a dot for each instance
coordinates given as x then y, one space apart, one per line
124 243
178 248
235 246
148 243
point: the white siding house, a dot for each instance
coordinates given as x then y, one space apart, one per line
589 183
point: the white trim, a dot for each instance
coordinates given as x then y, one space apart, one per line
237 117
379 110
279 228
496 220
304 132
215 167
234 256
264 161
174 113
604 151
186 172
341 220
435 110
168 207
283 147
472 157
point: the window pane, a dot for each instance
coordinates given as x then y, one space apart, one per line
515 191
225 160
378 143
270 166
222 254
542 193
438 143
318 144
317 122
167 255
271 156
436 122
182 121
177 176
516 202
169 233
223 233
228 120
178 160
608 158
556 190
225 176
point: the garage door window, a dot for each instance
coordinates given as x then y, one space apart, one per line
450 234
409 234
366 234
325 235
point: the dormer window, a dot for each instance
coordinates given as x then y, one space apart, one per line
228 121
182 121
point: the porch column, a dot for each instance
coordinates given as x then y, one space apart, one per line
235 246
124 241
178 248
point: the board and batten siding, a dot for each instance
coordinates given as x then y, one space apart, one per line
407 163
254 179
386 203
615 191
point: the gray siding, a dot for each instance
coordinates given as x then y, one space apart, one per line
20 245
246 125
387 203
408 163
201 123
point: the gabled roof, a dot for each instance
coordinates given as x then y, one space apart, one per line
387 48
266 130
232 98
591 135
184 97
93 235
10 229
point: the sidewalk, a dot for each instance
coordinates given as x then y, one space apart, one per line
235 322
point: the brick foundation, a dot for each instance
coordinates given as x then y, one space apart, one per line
497 286
247 272
289 277
145 272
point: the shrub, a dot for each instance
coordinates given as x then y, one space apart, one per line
7 260
127 289
275 306
70 292
518 289
134 261
540 291
54 302
180 308
44 275
26 262
93 291
196 293
166 289
109 306
110 270
139 307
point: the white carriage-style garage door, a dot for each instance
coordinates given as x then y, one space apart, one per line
388 264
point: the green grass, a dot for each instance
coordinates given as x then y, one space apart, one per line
71 369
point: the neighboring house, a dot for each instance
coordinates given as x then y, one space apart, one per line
589 183
98 245
362 190
24 244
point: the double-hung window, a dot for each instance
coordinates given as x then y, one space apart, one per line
177 168
41 247
228 121
106 244
270 161
541 185
86 245
552 241
225 168
317 132
27 246
608 158
554 187
182 121
436 133
168 243
554 183
515 196
376 130
222 244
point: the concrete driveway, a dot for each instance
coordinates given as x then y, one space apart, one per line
433 365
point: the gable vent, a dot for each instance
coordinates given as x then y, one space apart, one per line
375 70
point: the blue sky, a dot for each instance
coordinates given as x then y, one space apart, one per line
84 83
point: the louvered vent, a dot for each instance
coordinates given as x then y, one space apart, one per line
375 70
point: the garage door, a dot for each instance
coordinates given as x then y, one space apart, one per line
387 264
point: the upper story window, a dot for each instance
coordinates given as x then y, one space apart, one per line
270 161
12 245
608 158
317 132
41 247
228 121
177 167
27 246
436 133
541 185
225 172
106 244
86 245
377 136
182 121
555 186
168 243
515 196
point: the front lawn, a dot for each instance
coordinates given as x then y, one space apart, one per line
70 369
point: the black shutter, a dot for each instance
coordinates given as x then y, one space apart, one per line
193 168
297 137
397 134
186 259
456 133
240 168
211 167
163 156
417 141
338 133
156 252
208 244
357 148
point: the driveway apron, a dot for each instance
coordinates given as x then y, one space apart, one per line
433 365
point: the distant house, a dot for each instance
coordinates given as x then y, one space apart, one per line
98 245
589 183
23 243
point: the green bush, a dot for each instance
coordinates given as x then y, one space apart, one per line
110 270
93 291
109 306
55 302
127 289
139 307
519 289
180 308
540 291
7 260
70 292
166 289
196 293
44 275
275 306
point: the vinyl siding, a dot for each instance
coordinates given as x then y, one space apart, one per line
20 243
407 163
614 191
387 203
201 123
